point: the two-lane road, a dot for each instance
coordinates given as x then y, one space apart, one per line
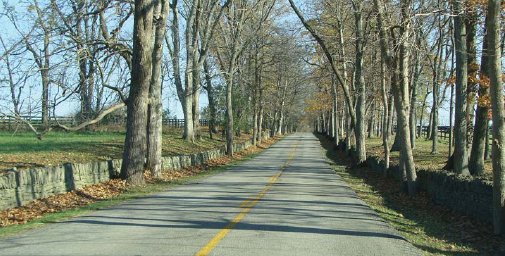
286 201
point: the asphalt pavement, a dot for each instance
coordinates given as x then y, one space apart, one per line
286 201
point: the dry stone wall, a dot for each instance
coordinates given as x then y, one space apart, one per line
467 195
19 187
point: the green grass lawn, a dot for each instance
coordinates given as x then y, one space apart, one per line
23 150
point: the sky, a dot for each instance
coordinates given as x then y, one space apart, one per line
170 99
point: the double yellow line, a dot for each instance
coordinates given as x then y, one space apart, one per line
246 206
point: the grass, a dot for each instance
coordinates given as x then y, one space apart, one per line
23 150
422 154
131 193
422 229
432 228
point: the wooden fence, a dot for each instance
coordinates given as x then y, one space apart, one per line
10 123
179 123
443 132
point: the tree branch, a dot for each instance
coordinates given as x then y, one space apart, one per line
102 114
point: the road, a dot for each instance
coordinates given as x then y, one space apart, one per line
286 201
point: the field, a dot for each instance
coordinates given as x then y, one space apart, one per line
23 150
422 154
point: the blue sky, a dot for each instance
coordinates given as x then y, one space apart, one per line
170 98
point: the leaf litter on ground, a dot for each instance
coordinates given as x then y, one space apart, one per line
110 189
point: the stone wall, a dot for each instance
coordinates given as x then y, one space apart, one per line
19 187
8 189
467 195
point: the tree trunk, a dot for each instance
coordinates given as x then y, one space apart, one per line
212 99
437 73
196 108
476 162
189 132
391 113
487 150
260 118
403 102
378 129
359 86
85 98
182 93
349 135
423 107
196 96
132 168
281 122
45 97
335 110
496 91
45 80
333 121
255 102
191 36
85 63
155 107
472 68
413 100
343 63
371 123
229 112
451 125
386 125
429 136
434 122
282 104
460 127
273 125
255 125
400 90
397 141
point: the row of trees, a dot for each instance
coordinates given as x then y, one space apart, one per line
383 59
252 57
376 63
100 56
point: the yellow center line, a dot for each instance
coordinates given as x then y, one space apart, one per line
246 206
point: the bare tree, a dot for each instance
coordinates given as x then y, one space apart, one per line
359 80
399 65
237 16
132 168
41 55
339 76
201 22
479 139
460 127
155 107
493 24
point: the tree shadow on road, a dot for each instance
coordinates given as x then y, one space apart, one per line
430 227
